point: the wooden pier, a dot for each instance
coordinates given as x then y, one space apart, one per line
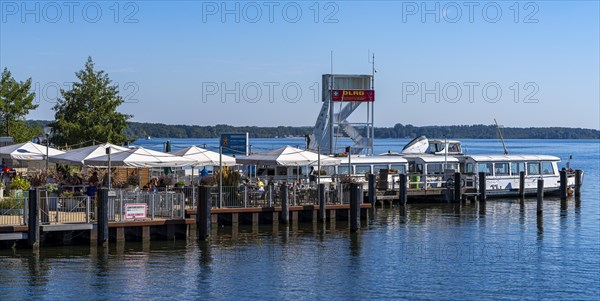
169 229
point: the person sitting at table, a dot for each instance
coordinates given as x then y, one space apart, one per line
261 186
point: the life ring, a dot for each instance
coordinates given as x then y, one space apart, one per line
450 183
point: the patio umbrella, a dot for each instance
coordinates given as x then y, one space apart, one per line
27 151
140 157
204 157
288 156
78 156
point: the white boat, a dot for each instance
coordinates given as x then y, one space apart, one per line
503 173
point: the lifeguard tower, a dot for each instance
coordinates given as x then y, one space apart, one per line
347 113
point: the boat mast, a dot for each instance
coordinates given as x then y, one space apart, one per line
501 137
372 108
331 106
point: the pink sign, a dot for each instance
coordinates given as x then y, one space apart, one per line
135 211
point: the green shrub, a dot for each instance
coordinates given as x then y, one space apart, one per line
19 183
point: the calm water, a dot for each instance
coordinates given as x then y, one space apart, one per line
500 250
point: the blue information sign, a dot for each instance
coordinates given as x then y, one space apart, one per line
234 144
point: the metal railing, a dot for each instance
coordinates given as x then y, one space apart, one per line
167 204
13 211
56 210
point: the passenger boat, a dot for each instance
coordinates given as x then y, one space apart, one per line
435 167
503 173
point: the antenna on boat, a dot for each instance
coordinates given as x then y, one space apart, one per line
501 137
331 106
371 106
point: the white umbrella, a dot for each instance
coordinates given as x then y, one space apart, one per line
204 157
78 156
140 157
288 156
27 151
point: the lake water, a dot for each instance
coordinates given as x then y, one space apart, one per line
501 250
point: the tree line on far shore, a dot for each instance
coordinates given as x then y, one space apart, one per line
135 130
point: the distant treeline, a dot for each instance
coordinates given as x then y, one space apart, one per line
136 130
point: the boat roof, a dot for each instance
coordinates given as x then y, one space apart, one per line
374 160
496 158
432 158
443 141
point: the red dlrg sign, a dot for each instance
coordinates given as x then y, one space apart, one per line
353 95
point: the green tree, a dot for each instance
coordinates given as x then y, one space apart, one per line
16 100
89 111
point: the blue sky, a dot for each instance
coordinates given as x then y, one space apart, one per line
166 56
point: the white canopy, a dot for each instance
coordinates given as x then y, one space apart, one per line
78 156
204 157
27 151
140 157
288 156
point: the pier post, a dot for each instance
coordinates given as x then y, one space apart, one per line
354 207
457 188
33 221
285 210
203 214
521 184
270 195
578 181
245 196
563 185
372 190
482 187
322 214
540 196
403 190
103 216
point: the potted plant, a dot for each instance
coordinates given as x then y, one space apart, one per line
133 180
18 185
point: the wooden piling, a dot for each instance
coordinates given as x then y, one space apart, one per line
482 187
372 189
403 196
563 185
457 187
540 196
203 214
354 207
270 195
285 210
578 182
33 221
322 214
522 184
103 216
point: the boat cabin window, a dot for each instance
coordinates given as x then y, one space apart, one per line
547 168
453 166
435 147
502 169
343 169
533 168
453 148
364 169
325 170
400 168
415 168
435 168
517 167
485 167
468 168
377 168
